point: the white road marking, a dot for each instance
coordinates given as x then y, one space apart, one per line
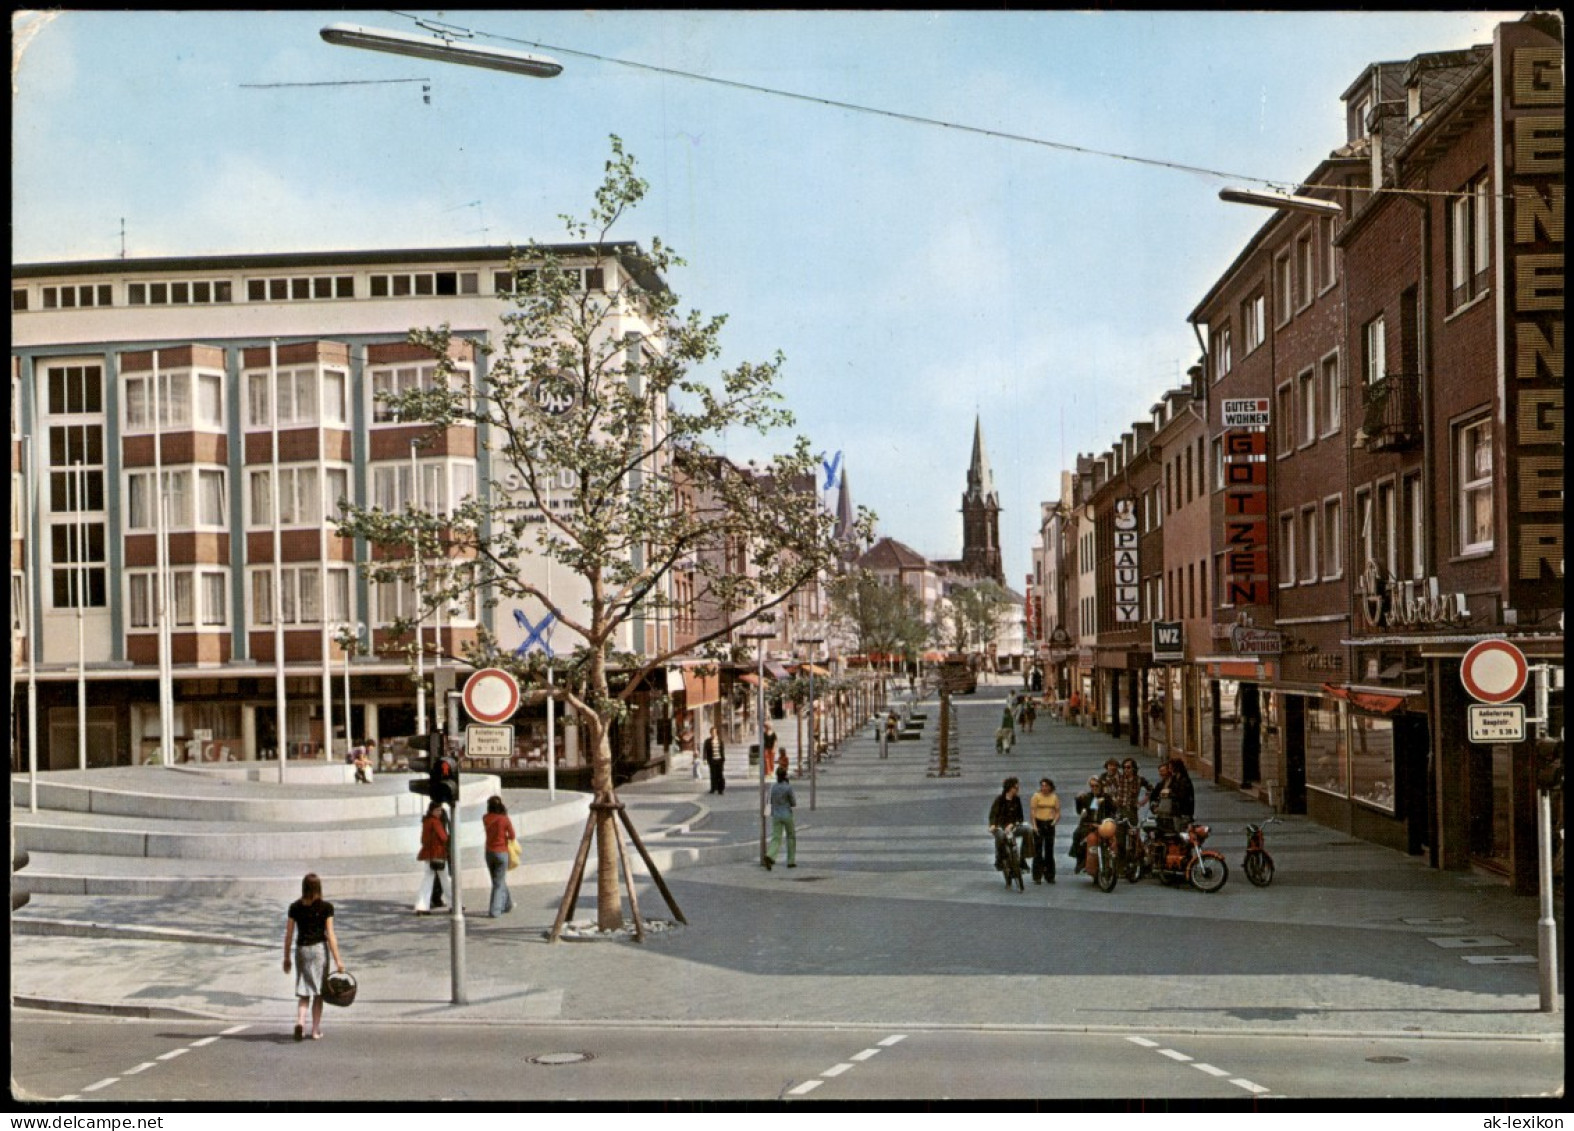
805 1088
102 1084
172 1054
837 1070
1173 1055
1254 1089
865 1055
204 1041
233 1029
143 1067
1144 1042
1209 1069
889 1041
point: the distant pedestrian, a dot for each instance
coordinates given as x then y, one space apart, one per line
783 802
774 760
308 933
1044 808
1029 716
434 855
716 762
499 832
363 767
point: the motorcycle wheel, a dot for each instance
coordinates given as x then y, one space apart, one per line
1136 868
1259 868
1106 876
1013 869
1208 872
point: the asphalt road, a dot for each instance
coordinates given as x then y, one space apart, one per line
177 1062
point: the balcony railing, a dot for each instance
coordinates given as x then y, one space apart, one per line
1391 416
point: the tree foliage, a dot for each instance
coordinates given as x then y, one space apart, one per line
880 618
596 416
976 614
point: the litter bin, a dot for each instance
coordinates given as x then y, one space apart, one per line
754 753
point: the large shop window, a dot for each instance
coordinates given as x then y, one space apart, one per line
1325 760
1372 760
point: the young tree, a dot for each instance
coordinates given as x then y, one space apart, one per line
593 415
881 618
976 612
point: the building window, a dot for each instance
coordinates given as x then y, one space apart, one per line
1372 760
1387 519
1284 422
186 504
393 381
306 397
77 525
1308 537
1469 242
183 398
1218 579
1374 357
1307 403
1333 538
1365 530
1218 463
1415 528
1327 232
72 297
194 292
1473 486
194 596
1325 749
1332 395
422 284
1281 290
1254 321
1305 271
1222 359
1287 548
299 288
301 596
300 501
18 299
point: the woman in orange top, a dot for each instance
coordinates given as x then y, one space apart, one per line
499 831
434 854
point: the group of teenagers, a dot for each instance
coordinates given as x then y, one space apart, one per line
1120 790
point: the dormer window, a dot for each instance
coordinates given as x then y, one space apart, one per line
1413 103
1358 112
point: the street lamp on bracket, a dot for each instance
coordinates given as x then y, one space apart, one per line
442 47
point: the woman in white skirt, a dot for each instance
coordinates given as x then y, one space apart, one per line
314 917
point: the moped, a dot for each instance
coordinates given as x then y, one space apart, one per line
1180 858
1099 856
1258 865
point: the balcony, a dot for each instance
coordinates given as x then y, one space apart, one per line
1391 413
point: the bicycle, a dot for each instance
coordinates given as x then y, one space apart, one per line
1011 859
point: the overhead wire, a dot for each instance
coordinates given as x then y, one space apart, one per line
1279 185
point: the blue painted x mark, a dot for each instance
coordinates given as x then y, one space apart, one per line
536 633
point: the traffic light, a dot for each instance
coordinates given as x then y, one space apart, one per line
442 772
1549 764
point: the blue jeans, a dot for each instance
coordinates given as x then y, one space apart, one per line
502 903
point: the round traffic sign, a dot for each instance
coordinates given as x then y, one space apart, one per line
491 696
1493 671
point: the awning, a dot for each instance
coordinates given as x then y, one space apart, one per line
777 671
1375 702
701 685
814 668
933 657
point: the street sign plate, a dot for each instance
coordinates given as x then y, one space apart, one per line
1247 413
1493 671
491 696
489 744
1492 723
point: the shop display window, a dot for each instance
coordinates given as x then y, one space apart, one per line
1326 766
1372 761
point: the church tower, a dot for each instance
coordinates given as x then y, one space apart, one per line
981 516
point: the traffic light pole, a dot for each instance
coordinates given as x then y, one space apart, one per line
456 915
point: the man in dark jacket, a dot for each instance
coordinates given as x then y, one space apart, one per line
1005 819
716 760
1092 808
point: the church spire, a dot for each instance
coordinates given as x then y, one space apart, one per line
980 480
981 515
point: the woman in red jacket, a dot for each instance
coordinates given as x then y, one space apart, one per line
434 853
499 831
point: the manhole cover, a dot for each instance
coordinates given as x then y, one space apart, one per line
1388 1060
561 1058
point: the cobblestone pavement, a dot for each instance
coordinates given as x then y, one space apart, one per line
894 916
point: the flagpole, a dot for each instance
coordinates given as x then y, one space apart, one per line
29 559
545 648
81 532
420 619
322 590
279 705
159 501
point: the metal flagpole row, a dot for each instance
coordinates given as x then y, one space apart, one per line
281 730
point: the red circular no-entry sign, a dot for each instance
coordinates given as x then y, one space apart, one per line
1493 671
491 696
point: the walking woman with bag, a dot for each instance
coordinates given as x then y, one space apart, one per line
309 928
502 848
434 854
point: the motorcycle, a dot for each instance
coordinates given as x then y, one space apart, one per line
1018 854
1133 851
1099 854
1180 858
1258 865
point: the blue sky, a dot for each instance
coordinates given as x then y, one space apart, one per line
912 275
